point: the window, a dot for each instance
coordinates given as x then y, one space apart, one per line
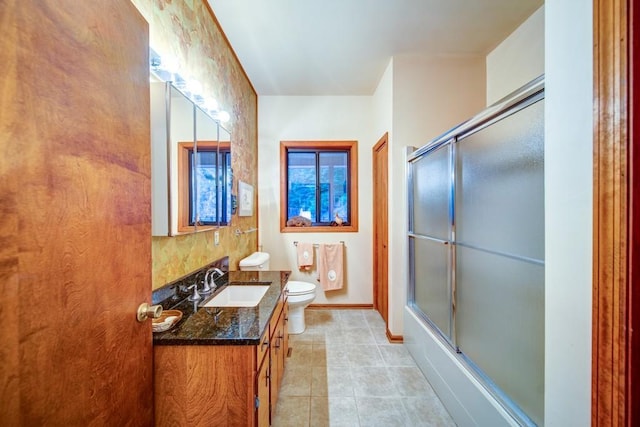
318 181
199 197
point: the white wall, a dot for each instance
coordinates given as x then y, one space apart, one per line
383 104
518 59
568 211
430 96
317 118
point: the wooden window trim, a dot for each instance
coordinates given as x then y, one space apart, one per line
352 146
183 187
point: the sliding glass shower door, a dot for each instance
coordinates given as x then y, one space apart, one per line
476 243
432 236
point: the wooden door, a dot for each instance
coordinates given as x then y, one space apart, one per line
616 298
380 227
75 231
633 287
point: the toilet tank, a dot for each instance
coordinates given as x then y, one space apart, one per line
255 261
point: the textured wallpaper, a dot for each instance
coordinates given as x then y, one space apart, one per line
187 30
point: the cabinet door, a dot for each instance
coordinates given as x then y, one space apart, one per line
283 348
275 355
285 333
263 394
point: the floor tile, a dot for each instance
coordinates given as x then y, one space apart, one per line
372 382
300 354
336 337
380 335
296 381
343 412
344 372
318 355
364 355
339 381
319 383
381 412
319 414
292 412
409 381
423 411
357 336
337 355
374 319
352 317
396 355
306 338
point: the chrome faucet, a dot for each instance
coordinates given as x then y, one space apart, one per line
209 281
195 296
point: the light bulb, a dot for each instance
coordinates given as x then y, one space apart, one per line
211 104
194 86
223 116
169 63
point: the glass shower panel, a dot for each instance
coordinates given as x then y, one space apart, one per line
432 290
500 185
500 323
432 193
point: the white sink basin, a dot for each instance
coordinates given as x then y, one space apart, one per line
238 296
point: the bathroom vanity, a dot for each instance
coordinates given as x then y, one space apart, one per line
223 365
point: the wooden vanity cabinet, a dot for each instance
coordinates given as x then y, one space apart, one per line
222 385
278 351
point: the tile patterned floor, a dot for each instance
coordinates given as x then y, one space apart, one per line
344 372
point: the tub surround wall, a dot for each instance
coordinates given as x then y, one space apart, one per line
430 95
188 31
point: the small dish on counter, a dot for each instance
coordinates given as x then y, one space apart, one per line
167 320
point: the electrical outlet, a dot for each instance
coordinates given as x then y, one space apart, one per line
216 238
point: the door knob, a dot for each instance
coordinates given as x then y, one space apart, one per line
146 311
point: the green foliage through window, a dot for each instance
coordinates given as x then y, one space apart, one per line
209 176
318 184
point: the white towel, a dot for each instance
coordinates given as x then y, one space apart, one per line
330 266
305 256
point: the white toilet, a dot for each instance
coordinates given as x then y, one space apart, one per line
300 296
257 261
300 293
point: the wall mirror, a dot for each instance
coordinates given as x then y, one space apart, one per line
191 165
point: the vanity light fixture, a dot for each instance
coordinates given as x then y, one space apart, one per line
166 69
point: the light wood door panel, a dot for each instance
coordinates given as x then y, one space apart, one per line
380 227
75 224
616 301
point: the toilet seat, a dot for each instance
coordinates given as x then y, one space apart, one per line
300 288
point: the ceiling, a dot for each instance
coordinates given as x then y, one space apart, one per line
342 47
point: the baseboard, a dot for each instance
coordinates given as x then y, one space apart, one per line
394 338
340 306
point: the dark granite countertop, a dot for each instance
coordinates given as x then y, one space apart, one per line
226 325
